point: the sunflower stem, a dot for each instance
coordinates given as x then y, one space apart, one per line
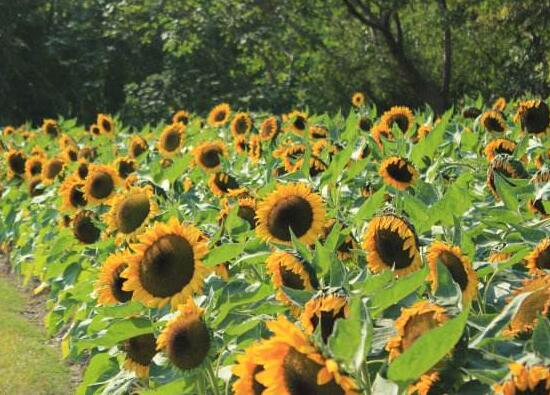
200 384
366 377
212 377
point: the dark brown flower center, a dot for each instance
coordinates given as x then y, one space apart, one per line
132 212
137 149
116 286
17 163
241 126
292 212
543 259
72 154
536 119
141 349
225 182
416 327
402 122
291 279
53 169
107 126
188 346
268 129
83 171
300 375
172 140
328 319
399 171
248 214
471 112
125 168
389 246
257 388
456 268
492 124
76 196
365 124
102 185
36 168
220 116
167 266
210 157
51 130
84 229
300 123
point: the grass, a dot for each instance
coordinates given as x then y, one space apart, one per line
28 365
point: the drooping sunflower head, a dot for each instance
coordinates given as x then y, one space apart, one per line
72 194
538 261
138 146
533 116
105 124
140 351
51 169
457 263
297 122
497 256
125 166
100 184
51 128
83 169
291 207
398 172
8 131
500 104
398 115
87 154
413 322
471 112
381 130
16 161
255 149
35 186
70 154
95 130
542 176
221 183
391 244
246 369
167 266
110 281
247 210
506 166
525 380
493 121
181 116
131 210
358 99
293 157
66 141
318 132
269 129
499 146
423 131
219 115
241 124
536 304
324 310
241 144
84 228
33 166
208 155
186 339
365 123
536 206
171 140
293 366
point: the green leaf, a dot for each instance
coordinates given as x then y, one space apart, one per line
416 361
303 249
505 192
99 367
432 142
370 206
179 386
253 293
116 332
321 259
517 257
337 166
376 282
224 253
541 337
177 168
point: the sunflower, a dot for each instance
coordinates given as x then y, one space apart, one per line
222 271
8 131
33 166
297 122
241 124
138 145
293 157
536 206
457 263
16 161
498 256
84 228
255 149
241 144
398 172
391 243
345 249
358 99
221 183
317 166
208 155
365 124
381 130
38 151
105 124
51 169
95 130
269 129
325 310
110 281
70 154
167 266
100 184
131 210
181 116
246 369
318 132
398 115
187 184
499 104
247 210
87 154
292 206
66 141
171 140
525 380
293 366
125 166
499 146
423 131
51 128
506 166
140 351
286 269
83 169
538 261
471 112
536 304
219 115
493 121
542 176
186 338
533 116
72 195
35 186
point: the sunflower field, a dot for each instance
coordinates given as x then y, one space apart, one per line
255 253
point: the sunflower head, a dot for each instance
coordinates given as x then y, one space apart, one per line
140 351
66 141
533 116
499 146
181 116
70 154
171 140
293 157
130 211
138 146
247 210
219 115
51 169
35 186
471 112
358 99
84 228
255 149
493 121
51 128
423 131
534 379
100 184
95 130
391 244
83 169
508 167
381 130
459 267
166 266
398 115
269 129
33 166
241 144
208 155
538 261
16 161
246 369
318 132
125 166
497 256
8 131
398 172
499 104
241 124
324 310
365 124
186 338
87 154
110 281
297 122
72 194
105 124
291 207
221 183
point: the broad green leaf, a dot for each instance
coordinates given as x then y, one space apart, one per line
100 366
180 386
116 332
370 206
432 142
224 253
506 192
541 337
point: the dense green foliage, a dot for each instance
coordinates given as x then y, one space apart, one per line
145 58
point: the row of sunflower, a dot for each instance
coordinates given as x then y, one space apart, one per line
251 253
